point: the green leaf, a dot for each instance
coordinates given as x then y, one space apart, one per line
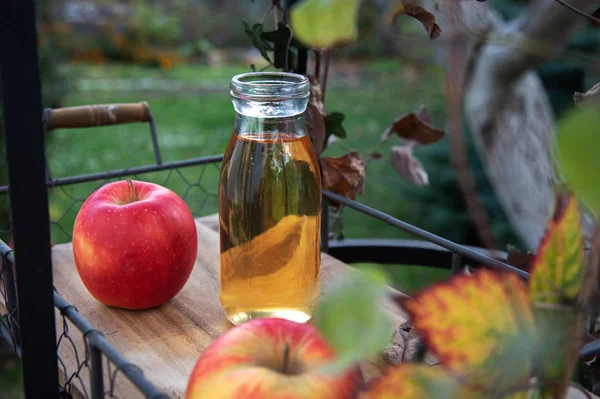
256 36
323 24
577 153
333 125
350 319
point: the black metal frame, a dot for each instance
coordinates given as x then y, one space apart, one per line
29 325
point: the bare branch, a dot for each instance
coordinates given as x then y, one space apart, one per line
595 20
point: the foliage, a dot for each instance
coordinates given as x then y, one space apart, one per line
576 150
491 332
362 293
335 20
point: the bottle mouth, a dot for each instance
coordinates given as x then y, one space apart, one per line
270 86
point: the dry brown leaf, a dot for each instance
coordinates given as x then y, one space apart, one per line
592 94
425 17
520 260
344 175
408 167
315 115
416 127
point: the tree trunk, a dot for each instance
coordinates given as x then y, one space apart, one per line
505 103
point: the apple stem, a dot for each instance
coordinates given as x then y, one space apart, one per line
286 359
132 195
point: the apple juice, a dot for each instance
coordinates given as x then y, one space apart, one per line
270 202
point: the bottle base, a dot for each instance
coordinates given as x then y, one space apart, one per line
296 315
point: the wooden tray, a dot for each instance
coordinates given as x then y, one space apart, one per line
165 342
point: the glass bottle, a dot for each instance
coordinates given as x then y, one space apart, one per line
269 202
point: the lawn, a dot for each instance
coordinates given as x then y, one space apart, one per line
194 117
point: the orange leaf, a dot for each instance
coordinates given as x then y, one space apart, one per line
480 326
425 17
344 175
559 266
520 260
416 381
415 127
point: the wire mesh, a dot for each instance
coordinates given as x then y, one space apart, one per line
197 185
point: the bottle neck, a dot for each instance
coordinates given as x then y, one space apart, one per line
265 128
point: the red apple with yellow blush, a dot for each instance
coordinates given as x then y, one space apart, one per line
270 358
135 244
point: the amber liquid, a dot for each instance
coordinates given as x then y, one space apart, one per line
270 202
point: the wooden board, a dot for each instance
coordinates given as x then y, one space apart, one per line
165 342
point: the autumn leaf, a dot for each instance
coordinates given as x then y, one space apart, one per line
416 381
592 94
414 127
558 269
556 278
425 17
480 327
315 115
408 167
520 260
322 24
344 175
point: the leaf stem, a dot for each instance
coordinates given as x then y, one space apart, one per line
326 73
262 20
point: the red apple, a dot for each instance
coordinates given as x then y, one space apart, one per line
269 358
135 244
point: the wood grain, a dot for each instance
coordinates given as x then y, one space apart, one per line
165 342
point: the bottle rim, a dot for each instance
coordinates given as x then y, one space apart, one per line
270 86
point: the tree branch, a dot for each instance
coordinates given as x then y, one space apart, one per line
594 20
545 25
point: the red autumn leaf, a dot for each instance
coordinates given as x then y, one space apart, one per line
315 115
481 327
344 175
422 15
520 260
408 167
414 127
592 94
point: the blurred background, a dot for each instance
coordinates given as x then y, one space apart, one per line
180 56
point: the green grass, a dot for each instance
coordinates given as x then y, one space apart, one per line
198 122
